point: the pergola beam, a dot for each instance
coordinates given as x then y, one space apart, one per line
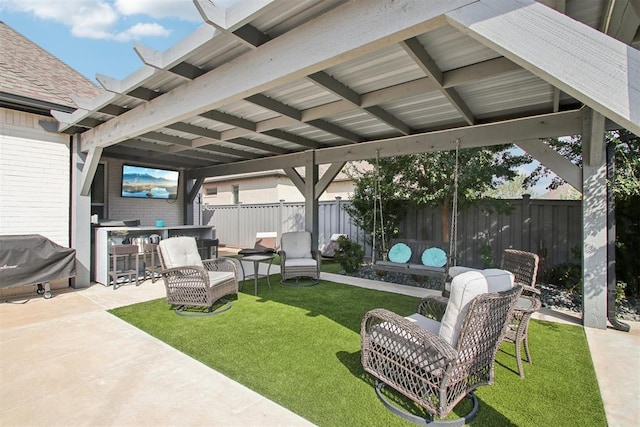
553 160
552 46
249 166
421 57
327 178
321 43
89 170
212 145
336 87
295 178
176 54
543 126
259 145
233 17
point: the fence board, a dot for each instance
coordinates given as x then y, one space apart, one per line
551 228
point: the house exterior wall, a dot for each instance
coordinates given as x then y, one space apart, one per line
145 210
34 178
268 189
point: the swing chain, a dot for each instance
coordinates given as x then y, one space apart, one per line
453 238
377 204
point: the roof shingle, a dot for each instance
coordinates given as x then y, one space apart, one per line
28 70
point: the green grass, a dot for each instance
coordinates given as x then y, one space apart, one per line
300 347
330 266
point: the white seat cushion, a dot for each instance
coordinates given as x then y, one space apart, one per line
216 277
301 262
458 269
425 323
497 280
180 252
296 244
464 288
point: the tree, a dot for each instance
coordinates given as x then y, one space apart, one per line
627 161
512 189
428 179
626 190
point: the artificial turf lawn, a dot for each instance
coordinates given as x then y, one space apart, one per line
300 347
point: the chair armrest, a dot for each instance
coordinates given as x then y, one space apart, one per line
433 307
526 289
185 273
391 326
221 264
316 255
283 256
527 304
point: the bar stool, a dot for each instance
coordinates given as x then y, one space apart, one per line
153 267
124 252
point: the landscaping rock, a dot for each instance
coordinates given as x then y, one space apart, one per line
552 296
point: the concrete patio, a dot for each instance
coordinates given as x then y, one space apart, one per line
66 361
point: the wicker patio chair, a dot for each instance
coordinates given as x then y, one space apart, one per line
297 259
524 266
434 363
193 282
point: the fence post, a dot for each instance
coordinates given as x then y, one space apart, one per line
526 223
338 198
279 225
238 226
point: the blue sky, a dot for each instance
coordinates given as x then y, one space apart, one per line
97 36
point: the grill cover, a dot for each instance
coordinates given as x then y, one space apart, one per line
31 259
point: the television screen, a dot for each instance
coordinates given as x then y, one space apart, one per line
149 183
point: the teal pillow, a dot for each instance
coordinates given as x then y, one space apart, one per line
434 257
399 253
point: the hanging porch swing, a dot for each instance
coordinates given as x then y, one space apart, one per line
410 256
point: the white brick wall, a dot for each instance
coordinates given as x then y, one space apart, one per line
146 210
34 178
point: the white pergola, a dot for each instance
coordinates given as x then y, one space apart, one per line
280 84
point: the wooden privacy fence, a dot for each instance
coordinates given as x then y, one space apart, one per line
551 228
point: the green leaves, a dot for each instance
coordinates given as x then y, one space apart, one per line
428 179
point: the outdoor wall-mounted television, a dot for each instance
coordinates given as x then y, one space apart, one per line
149 183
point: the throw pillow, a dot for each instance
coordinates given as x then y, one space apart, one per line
434 257
400 253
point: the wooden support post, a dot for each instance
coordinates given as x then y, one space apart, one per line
594 220
311 198
81 213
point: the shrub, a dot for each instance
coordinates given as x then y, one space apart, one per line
349 254
487 257
620 294
567 275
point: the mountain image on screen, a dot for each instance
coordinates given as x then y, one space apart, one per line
144 185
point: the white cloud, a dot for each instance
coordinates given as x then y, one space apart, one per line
93 22
52 10
142 30
98 19
183 9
